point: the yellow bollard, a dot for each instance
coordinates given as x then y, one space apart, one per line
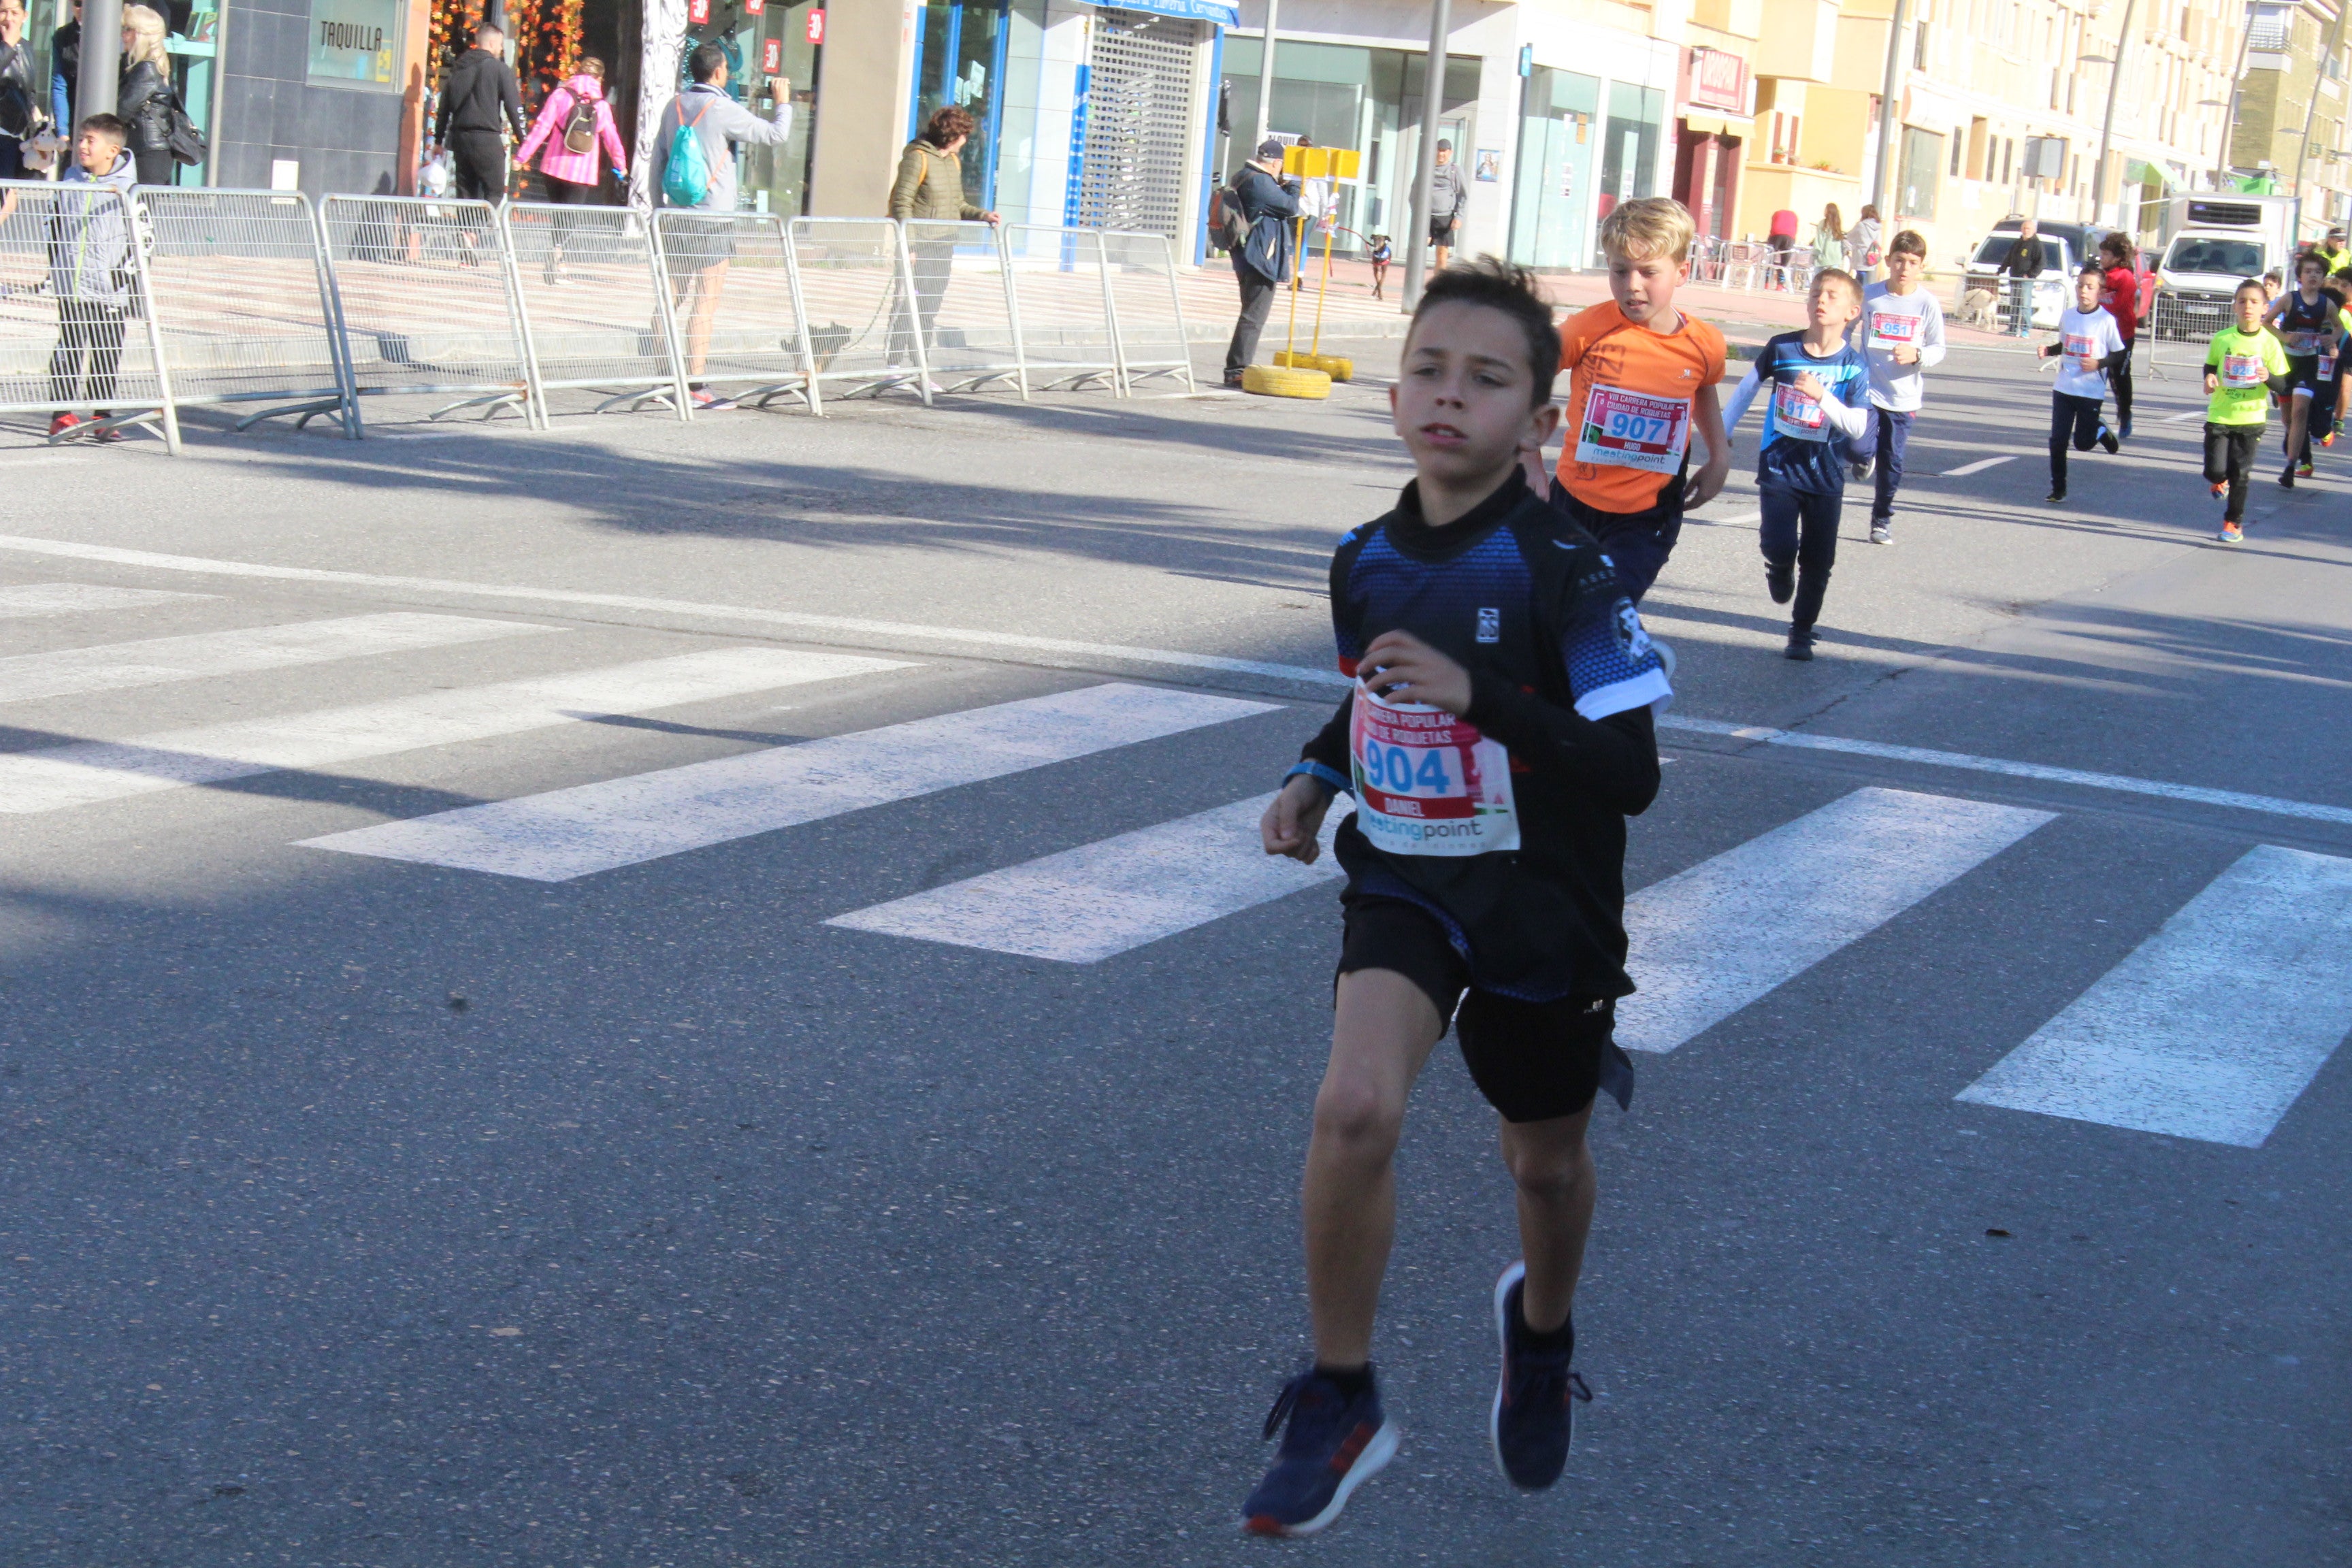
1290 375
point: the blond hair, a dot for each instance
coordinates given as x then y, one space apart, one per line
1648 227
147 32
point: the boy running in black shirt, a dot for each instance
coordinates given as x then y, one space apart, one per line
1498 736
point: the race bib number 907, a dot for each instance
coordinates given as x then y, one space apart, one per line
1633 430
1426 783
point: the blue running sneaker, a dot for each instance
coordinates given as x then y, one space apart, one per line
1530 1425
1335 1443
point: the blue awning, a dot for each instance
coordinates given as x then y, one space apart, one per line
1224 16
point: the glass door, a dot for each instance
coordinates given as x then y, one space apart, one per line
960 59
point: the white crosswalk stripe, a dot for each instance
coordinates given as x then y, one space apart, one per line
72 672
1102 898
569 833
2210 1028
53 777
1707 941
22 601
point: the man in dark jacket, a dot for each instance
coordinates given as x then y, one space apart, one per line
478 102
1262 265
64 72
2022 266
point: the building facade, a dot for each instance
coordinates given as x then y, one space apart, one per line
2289 133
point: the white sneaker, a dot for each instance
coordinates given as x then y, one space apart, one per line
1881 535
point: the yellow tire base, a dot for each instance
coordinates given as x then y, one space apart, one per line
1337 367
1286 380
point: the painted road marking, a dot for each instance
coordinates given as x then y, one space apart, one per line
2184 415
2212 1027
2118 783
1091 903
1065 650
23 600
1709 940
1978 467
113 667
58 776
569 833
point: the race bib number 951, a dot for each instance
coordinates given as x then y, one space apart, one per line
1892 329
1633 430
1426 783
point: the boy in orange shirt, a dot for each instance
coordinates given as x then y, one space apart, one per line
1642 379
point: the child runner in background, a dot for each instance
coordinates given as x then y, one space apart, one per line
2087 349
2120 293
2304 321
2329 404
2273 281
1640 384
2244 367
1498 736
1819 389
1379 255
1903 334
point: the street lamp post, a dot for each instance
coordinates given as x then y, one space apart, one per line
1882 182
1264 76
1424 184
2108 126
100 76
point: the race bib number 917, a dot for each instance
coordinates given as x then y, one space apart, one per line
1426 783
1632 430
1798 415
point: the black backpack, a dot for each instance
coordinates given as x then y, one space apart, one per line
580 127
1229 222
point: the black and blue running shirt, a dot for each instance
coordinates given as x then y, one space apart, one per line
2304 327
1563 677
1803 445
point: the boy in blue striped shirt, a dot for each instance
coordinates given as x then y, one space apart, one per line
1819 386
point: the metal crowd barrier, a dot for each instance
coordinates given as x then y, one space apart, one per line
963 306
858 298
426 303
1061 290
739 327
1147 315
596 304
242 302
77 335
140 305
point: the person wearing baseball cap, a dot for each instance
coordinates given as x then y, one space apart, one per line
1259 206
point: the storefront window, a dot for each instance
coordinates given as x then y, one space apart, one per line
1922 158
1556 136
960 59
1339 95
773 40
1628 150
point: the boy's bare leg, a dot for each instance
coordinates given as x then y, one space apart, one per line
1553 1168
2299 414
1381 1035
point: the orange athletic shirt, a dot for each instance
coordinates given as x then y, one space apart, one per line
1599 347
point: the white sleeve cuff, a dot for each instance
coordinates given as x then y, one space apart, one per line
1648 689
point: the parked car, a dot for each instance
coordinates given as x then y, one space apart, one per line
2062 251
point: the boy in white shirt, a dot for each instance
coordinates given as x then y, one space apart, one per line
2088 346
1901 334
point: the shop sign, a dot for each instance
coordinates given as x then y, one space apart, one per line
816 25
357 43
698 12
771 56
1719 79
753 7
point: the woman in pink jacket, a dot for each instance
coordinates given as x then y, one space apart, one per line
576 125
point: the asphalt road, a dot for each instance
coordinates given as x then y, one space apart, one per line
552 1183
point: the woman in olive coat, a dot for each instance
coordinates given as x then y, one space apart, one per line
929 190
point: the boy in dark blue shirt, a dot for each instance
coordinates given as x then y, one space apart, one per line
1497 737
1817 386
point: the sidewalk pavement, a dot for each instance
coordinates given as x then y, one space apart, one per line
1745 316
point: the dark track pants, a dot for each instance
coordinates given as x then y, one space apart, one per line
1257 299
1801 529
1885 435
2076 419
88 333
2230 451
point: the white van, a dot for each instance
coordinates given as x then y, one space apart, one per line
2212 243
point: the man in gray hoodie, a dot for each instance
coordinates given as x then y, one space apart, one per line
699 253
91 272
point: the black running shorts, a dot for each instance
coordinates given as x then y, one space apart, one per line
1532 1060
2303 377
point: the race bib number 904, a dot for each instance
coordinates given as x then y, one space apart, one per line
1426 783
1632 430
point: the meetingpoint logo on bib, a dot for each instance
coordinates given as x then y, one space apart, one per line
1427 783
